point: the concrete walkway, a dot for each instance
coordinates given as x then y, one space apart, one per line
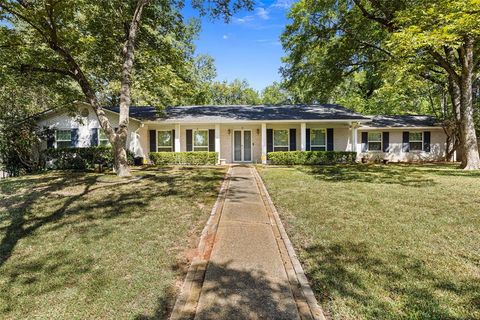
249 272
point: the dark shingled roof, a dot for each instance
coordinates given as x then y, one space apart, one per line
246 113
139 112
401 121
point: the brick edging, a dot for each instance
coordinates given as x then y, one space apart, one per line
305 288
186 302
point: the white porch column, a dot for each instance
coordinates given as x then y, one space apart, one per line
353 129
177 138
264 143
303 136
217 142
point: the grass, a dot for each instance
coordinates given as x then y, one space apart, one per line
385 242
84 245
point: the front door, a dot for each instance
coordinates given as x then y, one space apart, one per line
242 145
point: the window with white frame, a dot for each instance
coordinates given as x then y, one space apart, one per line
164 141
280 140
374 141
318 140
63 138
102 138
416 141
200 140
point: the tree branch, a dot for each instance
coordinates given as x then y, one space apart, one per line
382 21
24 18
370 45
442 62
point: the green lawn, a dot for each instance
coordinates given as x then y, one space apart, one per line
385 242
82 246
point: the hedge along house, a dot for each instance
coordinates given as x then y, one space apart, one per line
246 134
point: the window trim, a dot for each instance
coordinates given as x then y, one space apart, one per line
193 141
416 141
324 146
281 146
57 140
381 141
99 140
172 138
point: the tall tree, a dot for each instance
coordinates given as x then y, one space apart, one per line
275 94
94 43
230 93
329 40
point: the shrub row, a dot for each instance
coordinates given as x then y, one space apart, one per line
185 158
80 158
311 157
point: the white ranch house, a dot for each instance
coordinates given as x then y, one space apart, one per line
245 134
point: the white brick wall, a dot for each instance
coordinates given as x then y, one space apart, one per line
437 152
138 140
85 124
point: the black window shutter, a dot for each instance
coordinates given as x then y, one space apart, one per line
269 140
74 138
94 137
173 140
153 140
188 133
330 139
385 141
406 142
293 139
364 141
426 141
51 140
211 140
307 134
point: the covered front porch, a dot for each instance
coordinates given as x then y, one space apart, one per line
249 142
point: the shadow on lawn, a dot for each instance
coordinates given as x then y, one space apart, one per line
121 200
405 175
234 294
408 289
370 174
78 201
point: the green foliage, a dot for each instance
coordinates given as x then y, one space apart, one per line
80 158
372 56
20 98
93 33
326 42
275 94
311 157
235 92
184 158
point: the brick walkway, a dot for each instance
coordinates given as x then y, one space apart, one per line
246 267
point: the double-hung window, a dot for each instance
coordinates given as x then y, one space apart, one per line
416 141
318 140
200 140
164 141
280 140
102 138
374 141
63 138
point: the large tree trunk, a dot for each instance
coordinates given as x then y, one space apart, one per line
471 157
119 152
454 92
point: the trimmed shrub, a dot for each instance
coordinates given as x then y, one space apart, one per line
311 157
81 158
184 158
